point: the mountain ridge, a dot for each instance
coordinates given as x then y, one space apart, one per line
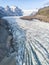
8 11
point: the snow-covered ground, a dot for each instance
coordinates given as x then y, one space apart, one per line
29 12
32 39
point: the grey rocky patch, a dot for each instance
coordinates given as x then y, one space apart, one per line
6 38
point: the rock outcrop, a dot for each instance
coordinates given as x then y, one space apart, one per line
5 38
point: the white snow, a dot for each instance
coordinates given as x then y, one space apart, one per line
29 12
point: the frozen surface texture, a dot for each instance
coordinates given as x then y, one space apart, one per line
31 41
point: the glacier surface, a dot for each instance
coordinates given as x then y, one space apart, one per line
32 39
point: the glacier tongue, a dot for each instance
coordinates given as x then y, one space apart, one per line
31 41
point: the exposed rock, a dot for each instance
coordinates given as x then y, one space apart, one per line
9 60
5 38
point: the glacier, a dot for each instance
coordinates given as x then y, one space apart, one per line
31 40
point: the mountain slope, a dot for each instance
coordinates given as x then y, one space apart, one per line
42 14
2 12
44 11
8 11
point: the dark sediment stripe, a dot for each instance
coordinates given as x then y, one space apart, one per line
35 56
40 53
42 46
